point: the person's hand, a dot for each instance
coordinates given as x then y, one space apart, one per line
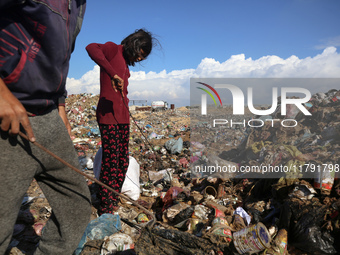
13 113
118 83
63 116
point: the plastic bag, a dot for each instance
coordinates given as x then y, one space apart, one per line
131 185
165 174
305 231
105 225
174 146
115 243
240 211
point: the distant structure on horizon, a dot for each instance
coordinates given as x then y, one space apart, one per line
135 102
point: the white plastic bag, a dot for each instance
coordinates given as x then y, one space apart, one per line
131 185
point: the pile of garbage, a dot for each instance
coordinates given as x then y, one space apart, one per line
292 214
302 202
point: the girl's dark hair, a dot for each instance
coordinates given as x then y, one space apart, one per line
134 43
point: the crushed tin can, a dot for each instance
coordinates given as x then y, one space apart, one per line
279 246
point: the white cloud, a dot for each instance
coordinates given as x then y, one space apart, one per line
174 86
329 42
88 83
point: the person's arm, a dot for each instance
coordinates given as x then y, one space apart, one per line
13 113
102 54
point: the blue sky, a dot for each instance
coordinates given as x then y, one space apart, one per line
222 38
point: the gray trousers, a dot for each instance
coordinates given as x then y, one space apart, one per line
65 190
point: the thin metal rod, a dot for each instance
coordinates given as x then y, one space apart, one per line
158 159
153 220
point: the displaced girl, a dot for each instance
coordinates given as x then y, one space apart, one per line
112 111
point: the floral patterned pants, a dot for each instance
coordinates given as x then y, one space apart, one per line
115 162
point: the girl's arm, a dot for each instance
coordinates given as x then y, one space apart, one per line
102 54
